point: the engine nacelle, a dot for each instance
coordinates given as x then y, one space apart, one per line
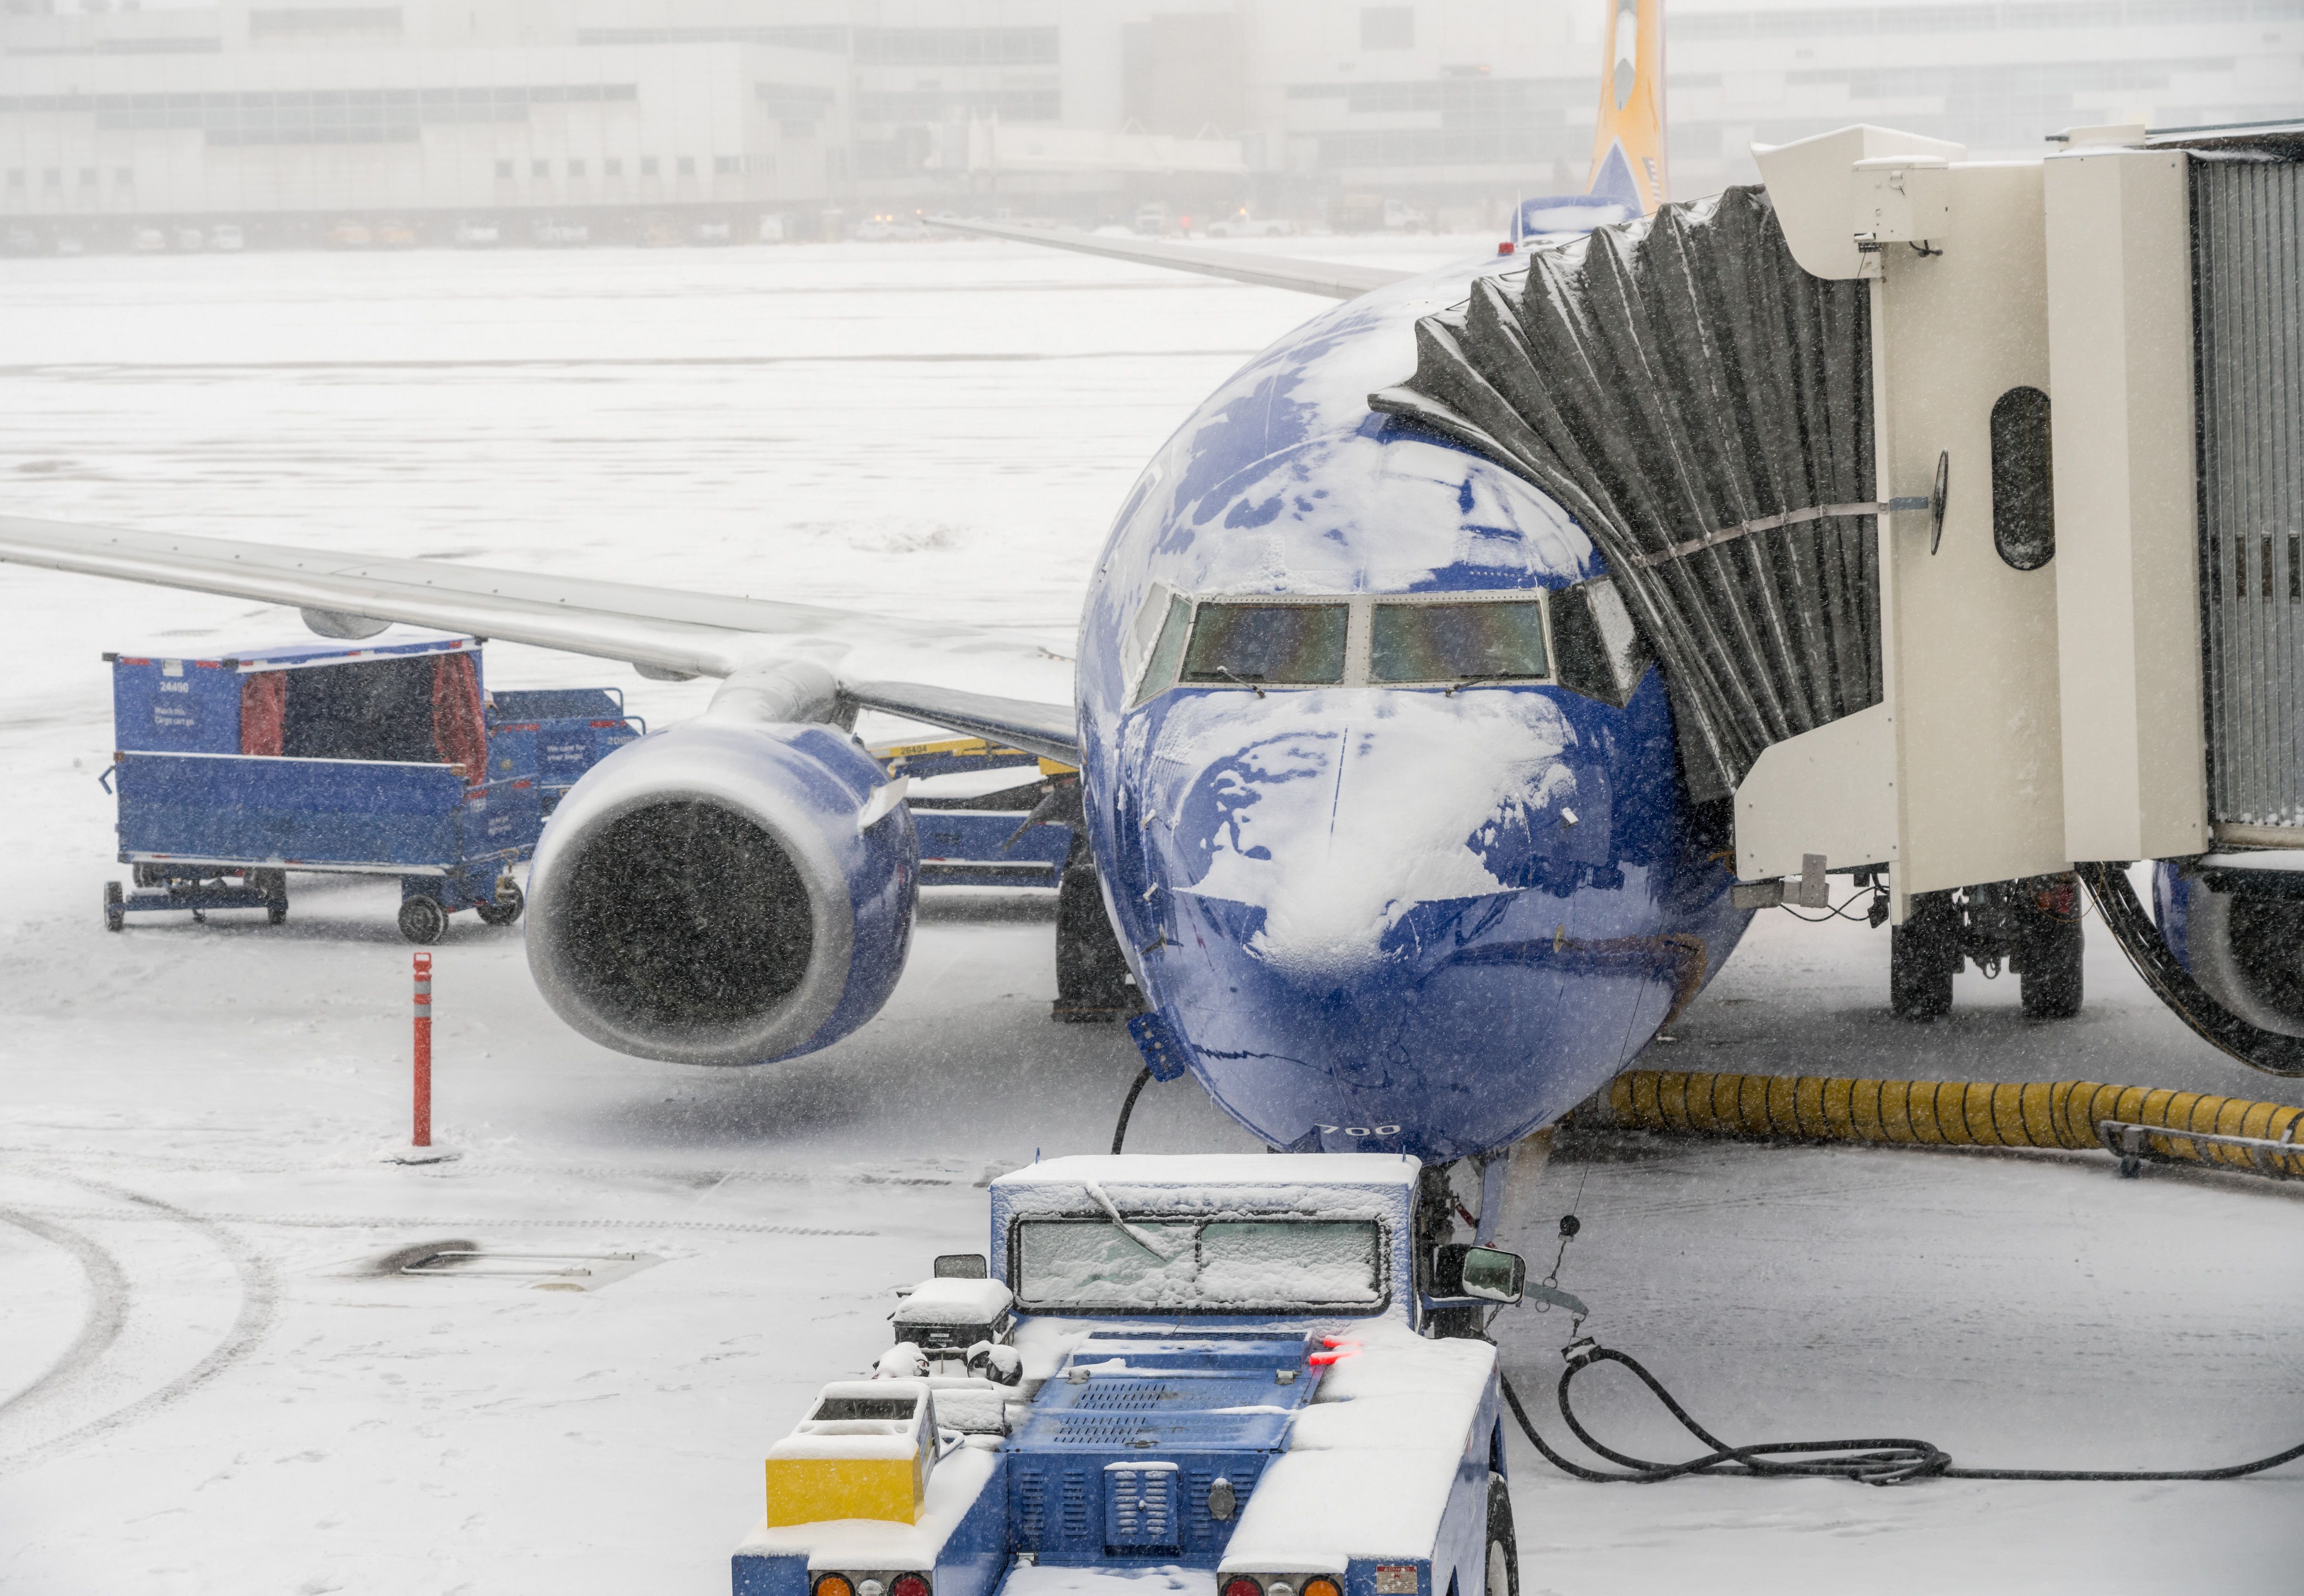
2245 947
725 892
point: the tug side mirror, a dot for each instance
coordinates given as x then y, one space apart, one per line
1493 1275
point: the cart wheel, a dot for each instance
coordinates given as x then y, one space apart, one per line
148 875
115 917
505 910
1923 954
276 912
422 920
274 886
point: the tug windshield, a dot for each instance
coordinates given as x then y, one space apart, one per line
1077 1265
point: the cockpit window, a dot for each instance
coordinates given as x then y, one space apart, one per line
1475 642
1268 644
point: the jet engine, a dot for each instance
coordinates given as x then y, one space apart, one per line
725 892
2241 935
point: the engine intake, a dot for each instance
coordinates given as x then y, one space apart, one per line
724 893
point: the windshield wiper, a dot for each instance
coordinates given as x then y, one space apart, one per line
1252 682
1466 682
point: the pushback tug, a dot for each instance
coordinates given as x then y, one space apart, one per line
1257 1375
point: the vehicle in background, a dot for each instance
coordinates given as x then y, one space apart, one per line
23 241
374 755
227 238
562 235
476 235
710 233
350 235
69 244
397 235
1241 225
892 228
772 229
190 241
1261 1375
144 240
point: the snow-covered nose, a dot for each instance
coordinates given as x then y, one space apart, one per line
1336 812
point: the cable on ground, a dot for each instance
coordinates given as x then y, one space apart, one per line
1885 1460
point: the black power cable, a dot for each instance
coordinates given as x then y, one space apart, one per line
1889 1460
1119 1131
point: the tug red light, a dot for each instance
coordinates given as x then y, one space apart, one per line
1240 1585
909 1585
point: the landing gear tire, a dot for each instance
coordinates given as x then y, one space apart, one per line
505 910
2051 981
115 917
1923 952
1503 1546
422 920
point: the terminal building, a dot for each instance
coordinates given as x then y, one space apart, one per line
681 118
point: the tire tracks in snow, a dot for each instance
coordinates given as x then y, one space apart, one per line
111 1296
108 1308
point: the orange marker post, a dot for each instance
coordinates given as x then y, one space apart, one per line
423 1136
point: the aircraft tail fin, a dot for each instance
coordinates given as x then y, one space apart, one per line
1628 147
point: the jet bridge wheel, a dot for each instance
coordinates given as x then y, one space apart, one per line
1503 1546
2051 981
505 910
423 920
1923 954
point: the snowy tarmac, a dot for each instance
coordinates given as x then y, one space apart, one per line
208 1382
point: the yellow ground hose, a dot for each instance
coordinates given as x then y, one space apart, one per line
1948 1113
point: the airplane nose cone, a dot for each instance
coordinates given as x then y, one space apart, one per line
1402 920
1334 814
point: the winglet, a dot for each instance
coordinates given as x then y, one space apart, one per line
1628 147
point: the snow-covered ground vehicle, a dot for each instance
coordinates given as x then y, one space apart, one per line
1261 1376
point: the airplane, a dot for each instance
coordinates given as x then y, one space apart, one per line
1383 795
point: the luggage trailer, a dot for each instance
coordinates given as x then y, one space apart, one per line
383 757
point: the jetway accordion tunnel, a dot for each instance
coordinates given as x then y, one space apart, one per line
2149 1122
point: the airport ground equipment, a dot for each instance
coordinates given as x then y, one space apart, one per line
1263 1374
1988 564
995 816
374 757
2133 1123
574 728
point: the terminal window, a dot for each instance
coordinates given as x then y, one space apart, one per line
575 168
648 165
688 166
1388 27
88 177
123 177
504 169
53 178
728 165
613 167
15 177
539 169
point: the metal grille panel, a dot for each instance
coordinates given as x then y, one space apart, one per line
2248 243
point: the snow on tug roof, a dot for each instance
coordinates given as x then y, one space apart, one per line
1360 1169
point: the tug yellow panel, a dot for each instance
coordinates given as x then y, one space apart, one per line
811 1490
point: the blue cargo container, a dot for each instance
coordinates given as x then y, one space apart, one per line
383 757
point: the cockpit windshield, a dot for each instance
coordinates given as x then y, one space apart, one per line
1469 642
1299 645
1088 1265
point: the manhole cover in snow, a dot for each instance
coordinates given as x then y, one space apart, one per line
542 1271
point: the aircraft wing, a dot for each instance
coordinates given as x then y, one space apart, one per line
1238 265
662 629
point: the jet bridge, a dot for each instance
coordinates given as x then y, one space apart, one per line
1963 504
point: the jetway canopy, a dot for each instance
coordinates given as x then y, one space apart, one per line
1703 407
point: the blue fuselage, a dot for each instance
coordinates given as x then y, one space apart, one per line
1380 917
